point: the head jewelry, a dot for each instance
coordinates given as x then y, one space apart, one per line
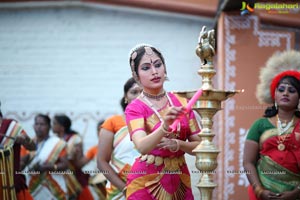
134 53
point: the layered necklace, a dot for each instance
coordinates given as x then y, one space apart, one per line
151 105
282 128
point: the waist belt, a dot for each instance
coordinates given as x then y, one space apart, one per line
170 163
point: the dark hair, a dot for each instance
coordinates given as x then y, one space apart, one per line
129 83
65 121
272 110
45 117
140 53
99 124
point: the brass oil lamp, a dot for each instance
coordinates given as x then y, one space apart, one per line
208 104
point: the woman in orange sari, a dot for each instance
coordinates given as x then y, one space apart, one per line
116 153
272 147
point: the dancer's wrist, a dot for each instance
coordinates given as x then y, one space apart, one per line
165 130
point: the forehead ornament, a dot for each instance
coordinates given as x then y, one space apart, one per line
285 84
148 51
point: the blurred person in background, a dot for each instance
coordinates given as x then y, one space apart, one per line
116 152
78 188
49 160
14 137
272 146
97 180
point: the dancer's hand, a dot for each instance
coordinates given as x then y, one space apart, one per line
167 143
288 195
172 114
268 195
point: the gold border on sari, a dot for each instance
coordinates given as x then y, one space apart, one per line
276 178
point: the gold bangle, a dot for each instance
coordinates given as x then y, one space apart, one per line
165 129
177 146
258 191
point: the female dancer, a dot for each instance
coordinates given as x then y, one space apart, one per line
161 172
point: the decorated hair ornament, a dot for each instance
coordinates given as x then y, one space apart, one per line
276 64
133 57
133 53
278 77
148 51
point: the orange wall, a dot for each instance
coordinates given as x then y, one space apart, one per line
243 48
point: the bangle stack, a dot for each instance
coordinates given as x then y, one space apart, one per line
177 146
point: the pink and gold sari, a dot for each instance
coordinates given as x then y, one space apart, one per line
161 174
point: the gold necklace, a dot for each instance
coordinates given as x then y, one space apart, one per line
151 105
282 128
280 142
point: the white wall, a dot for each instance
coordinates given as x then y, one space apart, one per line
73 58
